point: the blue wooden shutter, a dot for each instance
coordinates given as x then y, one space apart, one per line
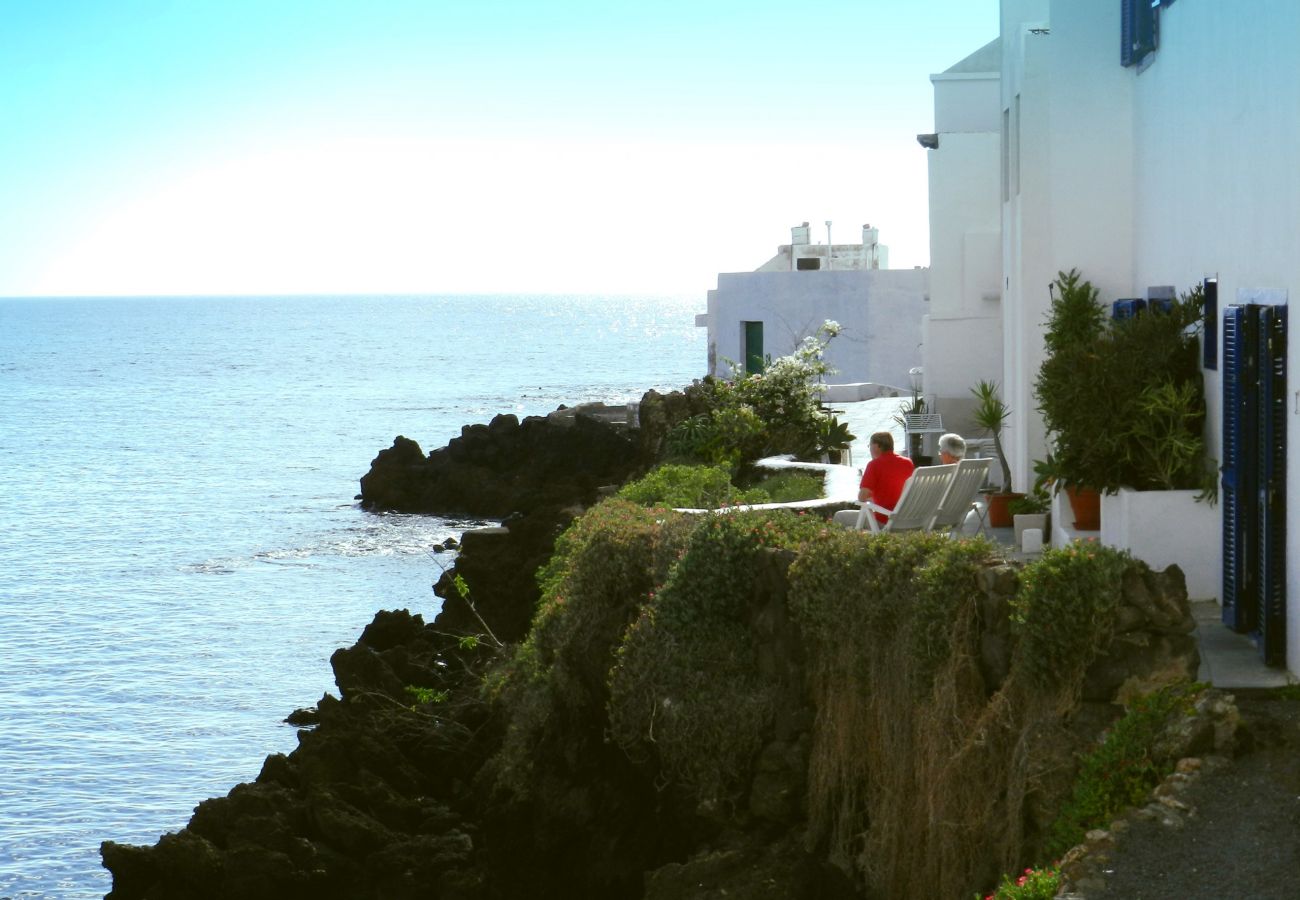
1137 30
1236 497
1228 494
1272 484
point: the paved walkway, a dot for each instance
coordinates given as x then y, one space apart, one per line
1230 660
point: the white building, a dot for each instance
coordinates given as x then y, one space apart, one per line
1145 146
963 332
768 312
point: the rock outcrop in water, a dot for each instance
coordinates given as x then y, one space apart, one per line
504 467
363 808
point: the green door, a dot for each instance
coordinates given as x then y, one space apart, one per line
753 348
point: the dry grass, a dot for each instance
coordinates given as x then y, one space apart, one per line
918 779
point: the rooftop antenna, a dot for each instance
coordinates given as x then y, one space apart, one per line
830 248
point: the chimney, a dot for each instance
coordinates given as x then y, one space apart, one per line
799 235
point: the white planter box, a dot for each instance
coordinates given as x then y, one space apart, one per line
1162 528
1021 521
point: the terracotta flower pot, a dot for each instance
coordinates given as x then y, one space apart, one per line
1086 504
999 514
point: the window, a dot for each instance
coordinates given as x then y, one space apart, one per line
753 349
807 264
1006 155
1015 145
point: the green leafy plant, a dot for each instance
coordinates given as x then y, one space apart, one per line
423 695
1032 884
1047 474
684 487
1064 612
786 487
686 693
1034 503
605 567
833 435
1076 318
1122 400
915 407
766 413
1123 770
1167 434
991 414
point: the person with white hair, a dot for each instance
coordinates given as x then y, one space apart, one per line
952 449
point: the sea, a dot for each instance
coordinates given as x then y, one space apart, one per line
181 549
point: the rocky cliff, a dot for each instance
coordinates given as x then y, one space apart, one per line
396 788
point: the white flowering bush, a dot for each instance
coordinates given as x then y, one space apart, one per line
772 412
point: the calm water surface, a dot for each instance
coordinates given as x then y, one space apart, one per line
180 550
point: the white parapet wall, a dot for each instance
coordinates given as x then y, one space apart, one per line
1163 528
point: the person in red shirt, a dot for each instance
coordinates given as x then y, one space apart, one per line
882 482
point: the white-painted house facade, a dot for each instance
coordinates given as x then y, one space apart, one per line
962 336
768 312
1145 146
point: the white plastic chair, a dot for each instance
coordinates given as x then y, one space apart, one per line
923 492
960 499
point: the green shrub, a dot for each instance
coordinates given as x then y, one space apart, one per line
552 688
1125 768
762 414
710 487
787 487
686 692
1064 613
684 487
1123 400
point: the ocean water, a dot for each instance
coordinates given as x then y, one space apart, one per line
180 548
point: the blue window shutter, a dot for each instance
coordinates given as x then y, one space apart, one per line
1137 30
1126 32
1272 484
1210 334
1234 495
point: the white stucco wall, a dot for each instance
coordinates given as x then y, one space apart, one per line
963 342
1069 194
1164 528
1160 174
1216 124
880 312
963 335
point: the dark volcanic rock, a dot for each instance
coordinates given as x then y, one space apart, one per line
505 466
499 565
352 813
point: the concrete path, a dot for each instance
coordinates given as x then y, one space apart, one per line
1230 660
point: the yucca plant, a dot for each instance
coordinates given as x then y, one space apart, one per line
991 414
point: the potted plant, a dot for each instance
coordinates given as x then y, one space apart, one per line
833 438
1030 511
991 415
1122 401
914 439
1075 410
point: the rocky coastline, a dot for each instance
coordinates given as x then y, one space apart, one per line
388 794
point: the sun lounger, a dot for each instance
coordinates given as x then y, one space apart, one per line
923 492
959 502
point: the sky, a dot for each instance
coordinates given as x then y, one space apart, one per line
531 146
